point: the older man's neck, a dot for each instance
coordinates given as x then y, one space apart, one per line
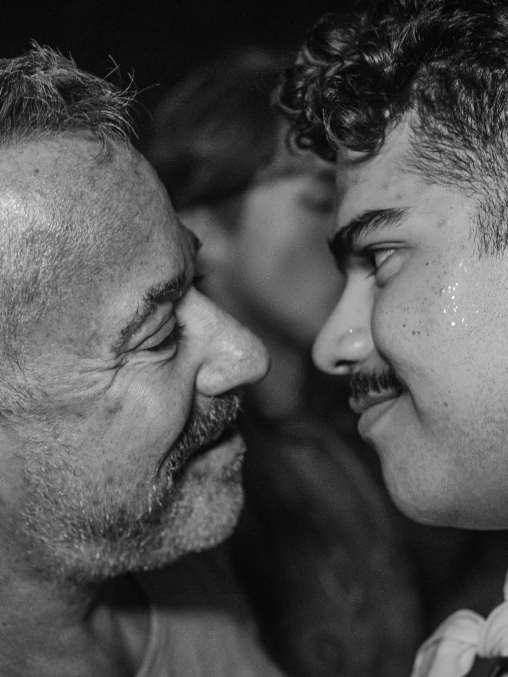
51 630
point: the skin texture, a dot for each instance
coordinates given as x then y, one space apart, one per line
87 490
420 299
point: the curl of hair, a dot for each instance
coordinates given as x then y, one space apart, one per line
356 75
443 64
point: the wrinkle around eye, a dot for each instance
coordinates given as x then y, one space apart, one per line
146 336
162 333
170 341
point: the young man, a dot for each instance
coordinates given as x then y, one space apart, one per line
411 99
118 391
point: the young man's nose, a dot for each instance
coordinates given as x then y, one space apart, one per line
231 355
345 341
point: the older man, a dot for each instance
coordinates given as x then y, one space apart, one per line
411 99
118 388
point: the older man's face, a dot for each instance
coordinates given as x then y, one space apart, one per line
422 326
125 459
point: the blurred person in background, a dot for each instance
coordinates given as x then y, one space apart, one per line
261 211
317 548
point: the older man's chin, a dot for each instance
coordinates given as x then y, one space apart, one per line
212 494
209 503
206 501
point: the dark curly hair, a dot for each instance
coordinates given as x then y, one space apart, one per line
443 65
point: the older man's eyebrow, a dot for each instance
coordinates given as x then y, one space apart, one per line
345 243
169 291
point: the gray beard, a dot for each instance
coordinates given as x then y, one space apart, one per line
79 533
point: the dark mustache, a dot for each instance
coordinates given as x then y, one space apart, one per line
365 383
203 425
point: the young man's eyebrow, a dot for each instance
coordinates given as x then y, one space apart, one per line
344 243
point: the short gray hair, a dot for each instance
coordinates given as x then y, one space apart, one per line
43 93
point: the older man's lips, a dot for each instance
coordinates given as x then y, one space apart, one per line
228 451
224 435
177 459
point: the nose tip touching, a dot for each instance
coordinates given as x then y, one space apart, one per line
233 355
345 341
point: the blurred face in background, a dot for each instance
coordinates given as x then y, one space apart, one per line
270 264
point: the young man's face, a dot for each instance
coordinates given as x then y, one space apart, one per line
420 301
133 362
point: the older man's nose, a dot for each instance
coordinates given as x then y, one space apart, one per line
345 341
232 356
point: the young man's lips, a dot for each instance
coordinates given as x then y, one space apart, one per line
360 404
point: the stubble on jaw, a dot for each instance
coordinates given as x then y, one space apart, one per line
79 532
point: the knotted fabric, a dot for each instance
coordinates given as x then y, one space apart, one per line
451 650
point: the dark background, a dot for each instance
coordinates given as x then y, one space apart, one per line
157 41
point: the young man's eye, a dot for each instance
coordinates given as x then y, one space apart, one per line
378 256
170 341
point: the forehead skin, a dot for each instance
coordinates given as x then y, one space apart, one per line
354 174
102 229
